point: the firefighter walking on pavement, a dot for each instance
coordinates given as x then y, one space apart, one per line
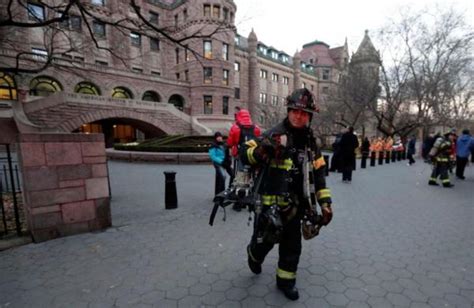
440 156
292 179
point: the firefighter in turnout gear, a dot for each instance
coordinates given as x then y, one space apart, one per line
440 156
283 155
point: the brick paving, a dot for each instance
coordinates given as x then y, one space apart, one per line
394 242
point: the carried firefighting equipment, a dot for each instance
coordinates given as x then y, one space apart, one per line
302 99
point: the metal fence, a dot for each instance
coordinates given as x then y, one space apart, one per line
11 204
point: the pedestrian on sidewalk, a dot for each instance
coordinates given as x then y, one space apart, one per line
220 159
411 150
464 146
348 145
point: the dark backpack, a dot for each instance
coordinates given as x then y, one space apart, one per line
246 133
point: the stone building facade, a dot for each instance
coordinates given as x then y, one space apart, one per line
204 78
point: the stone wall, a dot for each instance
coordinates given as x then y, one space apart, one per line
65 184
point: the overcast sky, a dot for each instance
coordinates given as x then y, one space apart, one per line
288 24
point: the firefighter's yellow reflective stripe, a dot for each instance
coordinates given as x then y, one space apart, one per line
318 163
446 181
250 155
323 193
274 199
268 199
433 179
251 143
285 274
282 201
443 159
285 165
251 256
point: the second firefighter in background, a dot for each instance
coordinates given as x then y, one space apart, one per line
281 154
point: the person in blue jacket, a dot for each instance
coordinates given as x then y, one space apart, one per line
220 159
464 147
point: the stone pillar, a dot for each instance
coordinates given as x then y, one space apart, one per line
253 77
65 184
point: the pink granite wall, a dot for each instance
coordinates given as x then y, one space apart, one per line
65 184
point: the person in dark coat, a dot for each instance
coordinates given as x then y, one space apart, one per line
335 154
411 150
348 144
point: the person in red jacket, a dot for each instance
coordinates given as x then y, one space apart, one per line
243 124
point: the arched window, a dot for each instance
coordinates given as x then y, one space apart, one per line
177 101
151 96
85 87
7 87
44 86
121 92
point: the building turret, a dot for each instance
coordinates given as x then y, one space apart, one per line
296 71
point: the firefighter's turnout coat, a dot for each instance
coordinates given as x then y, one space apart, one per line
282 187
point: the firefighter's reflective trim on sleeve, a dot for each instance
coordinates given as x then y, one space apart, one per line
251 143
270 200
323 193
285 165
285 274
318 163
250 157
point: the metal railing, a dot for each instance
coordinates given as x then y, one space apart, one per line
12 215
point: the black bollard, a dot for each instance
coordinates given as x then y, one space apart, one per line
326 160
372 159
380 158
363 161
387 157
171 198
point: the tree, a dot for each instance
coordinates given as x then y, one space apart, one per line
54 23
426 73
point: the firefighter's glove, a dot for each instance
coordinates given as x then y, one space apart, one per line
326 212
267 148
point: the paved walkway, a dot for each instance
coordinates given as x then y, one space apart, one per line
394 242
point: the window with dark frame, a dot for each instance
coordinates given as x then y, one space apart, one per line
98 2
225 105
177 55
207 49
136 39
98 28
154 44
225 77
207 71
225 11
207 10
225 51
237 66
154 18
35 12
216 11
237 93
207 104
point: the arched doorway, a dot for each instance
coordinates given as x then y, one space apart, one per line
177 101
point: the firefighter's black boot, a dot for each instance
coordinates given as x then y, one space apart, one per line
288 288
254 266
431 182
448 185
